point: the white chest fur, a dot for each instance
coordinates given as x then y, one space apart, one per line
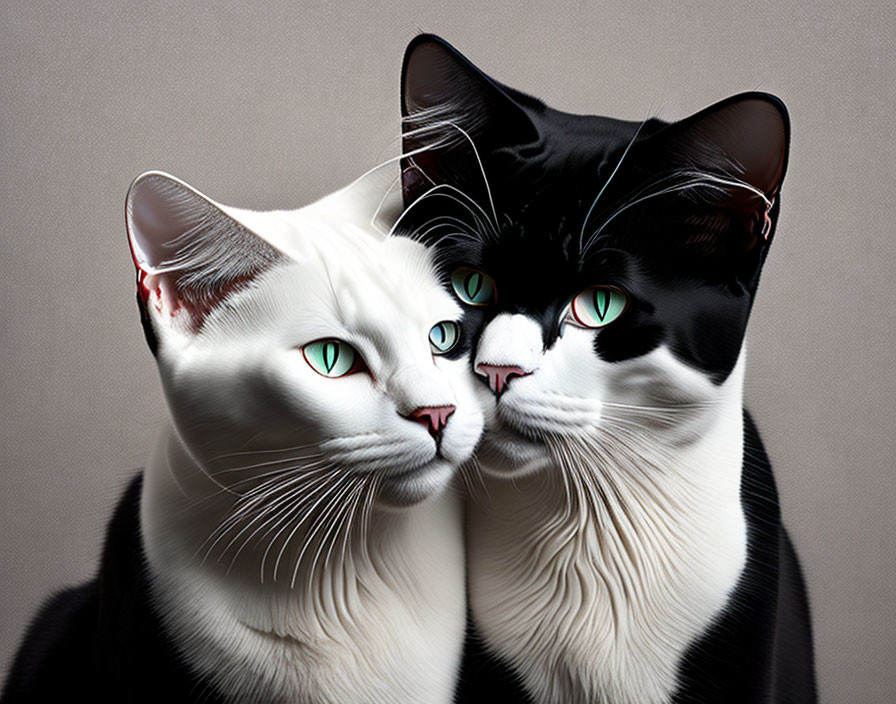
594 586
389 630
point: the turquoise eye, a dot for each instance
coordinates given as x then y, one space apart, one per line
444 336
473 287
332 358
599 306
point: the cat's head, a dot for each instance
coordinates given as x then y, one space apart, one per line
602 264
300 343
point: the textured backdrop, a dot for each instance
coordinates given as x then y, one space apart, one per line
267 105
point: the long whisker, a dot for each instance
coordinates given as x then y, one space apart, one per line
699 179
258 497
329 491
441 220
392 160
367 514
309 469
337 523
607 182
265 464
306 469
488 189
272 509
434 192
433 126
379 207
262 452
321 521
349 527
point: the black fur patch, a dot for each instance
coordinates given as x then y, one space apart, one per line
548 204
759 650
102 642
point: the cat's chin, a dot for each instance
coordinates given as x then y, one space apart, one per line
415 486
507 453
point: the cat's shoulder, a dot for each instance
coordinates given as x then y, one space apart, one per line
102 640
56 648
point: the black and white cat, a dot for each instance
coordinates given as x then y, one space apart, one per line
291 538
626 547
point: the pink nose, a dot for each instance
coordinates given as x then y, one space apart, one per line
499 374
435 418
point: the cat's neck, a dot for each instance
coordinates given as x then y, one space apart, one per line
608 569
343 600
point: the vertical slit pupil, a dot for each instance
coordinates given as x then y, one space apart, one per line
601 303
442 334
473 284
331 354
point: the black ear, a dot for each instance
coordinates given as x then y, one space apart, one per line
748 135
452 113
744 139
734 155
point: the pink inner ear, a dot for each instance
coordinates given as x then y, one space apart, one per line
758 225
189 253
418 177
164 293
161 289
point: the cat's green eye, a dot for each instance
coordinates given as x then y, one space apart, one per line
444 336
473 287
332 358
598 306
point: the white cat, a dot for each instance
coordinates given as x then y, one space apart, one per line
301 540
313 415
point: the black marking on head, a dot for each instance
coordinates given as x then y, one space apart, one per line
682 225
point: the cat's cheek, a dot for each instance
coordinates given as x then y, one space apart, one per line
462 437
311 398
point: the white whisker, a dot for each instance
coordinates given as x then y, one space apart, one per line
698 179
329 491
265 464
320 521
607 182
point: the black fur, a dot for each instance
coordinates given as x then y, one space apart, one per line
690 262
102 642
484 679
760 650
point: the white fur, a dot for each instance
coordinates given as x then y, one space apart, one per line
345 582
609 532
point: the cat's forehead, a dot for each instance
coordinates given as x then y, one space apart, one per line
347 278
379 283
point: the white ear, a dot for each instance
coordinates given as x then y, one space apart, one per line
189 253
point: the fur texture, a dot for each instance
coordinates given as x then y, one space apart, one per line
298 539
614 547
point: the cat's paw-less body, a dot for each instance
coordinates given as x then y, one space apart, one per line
346 583
625 545
586 619
593 577
384 627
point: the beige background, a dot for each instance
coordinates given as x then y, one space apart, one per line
272 105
